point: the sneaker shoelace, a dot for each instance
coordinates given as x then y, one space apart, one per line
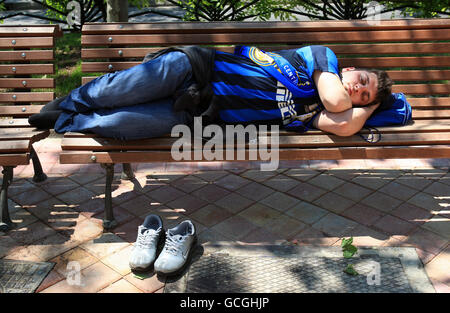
173 244
146 239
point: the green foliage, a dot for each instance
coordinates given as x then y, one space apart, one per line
348 251
421 9
350 270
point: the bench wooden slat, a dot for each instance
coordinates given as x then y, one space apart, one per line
429 114
347 49
26 42
7 69
443 102
272 27
422 89
27 83
255 38
26 55
27 96
15 146
100 144
30 31
381 62
19 110
408 152
12 123
417 75
14 159
20 133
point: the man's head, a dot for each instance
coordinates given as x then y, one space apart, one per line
366 86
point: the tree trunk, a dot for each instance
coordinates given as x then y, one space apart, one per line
117 11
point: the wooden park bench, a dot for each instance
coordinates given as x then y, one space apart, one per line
415 53
26 54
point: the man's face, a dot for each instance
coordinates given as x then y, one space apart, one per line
360 85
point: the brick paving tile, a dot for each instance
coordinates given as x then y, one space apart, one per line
91 169
394 226
211 236
432 173
283 164
445 179
284 226
428 202
167 178
210 215
372 182
83 259
83 231
169 216
232 182
363 214
234 203
281 183
31 233
255 191
365 236
189 183
151 283
45 249
236 227
120 215
279 201
326 181
98 186
438 189
414 181
139 205
346 174
76 196
22 218
258 175
84 178
439 225
90 208
261 236
437 268
425 256
335 225
165 194
423 239
123 194
333 202
92 279
411 213
210 166
57 185
210 193
381 202
105 245
19 186
306 192
128 231
440 287
64 169
144 183
306 212
181 167
398 191
187 204
121 286
118 260
312 236
322 164
7 244
52 278
301 174
210 176
259 214
151 167
31 197
353 191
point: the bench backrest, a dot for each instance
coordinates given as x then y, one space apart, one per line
415 52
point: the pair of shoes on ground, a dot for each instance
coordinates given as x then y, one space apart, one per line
177 247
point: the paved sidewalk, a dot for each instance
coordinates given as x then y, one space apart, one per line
385 203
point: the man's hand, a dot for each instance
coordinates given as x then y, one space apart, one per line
345 123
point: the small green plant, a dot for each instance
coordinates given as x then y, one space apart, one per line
348 251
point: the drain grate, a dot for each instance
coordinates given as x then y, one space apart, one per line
286 269
22 276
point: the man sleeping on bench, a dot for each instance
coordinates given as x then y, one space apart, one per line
298 89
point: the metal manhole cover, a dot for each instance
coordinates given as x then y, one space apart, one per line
22 276
278 269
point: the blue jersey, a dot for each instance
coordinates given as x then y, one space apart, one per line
247 93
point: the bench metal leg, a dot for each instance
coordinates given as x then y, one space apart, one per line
5 222
109 221
39 175
127 172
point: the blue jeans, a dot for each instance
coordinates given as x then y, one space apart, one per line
134 103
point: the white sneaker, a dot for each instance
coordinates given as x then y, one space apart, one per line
144 250
177 249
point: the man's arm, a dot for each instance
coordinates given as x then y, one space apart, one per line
332 93
344 123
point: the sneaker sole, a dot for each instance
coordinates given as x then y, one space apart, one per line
159 247
183 267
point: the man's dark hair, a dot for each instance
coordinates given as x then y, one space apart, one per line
384 85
